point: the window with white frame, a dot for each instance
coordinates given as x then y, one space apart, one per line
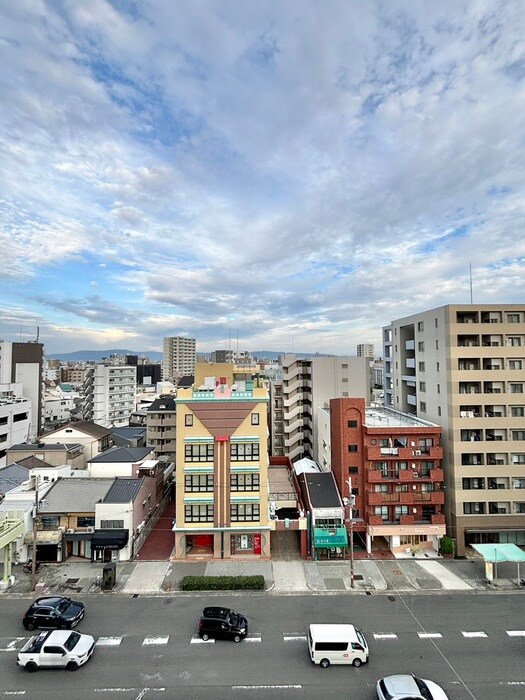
245 512
244 451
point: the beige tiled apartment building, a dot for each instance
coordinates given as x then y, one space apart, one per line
462 367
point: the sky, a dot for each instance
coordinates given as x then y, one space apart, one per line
286 175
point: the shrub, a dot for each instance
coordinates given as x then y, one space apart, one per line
446 545
222 583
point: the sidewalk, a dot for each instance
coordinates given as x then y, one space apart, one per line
296 576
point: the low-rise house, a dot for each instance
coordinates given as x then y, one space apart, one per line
119 461
55 454
94 438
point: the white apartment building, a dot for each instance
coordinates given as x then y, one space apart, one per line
462 366
365 350
178 357
306 386
109 394
22 363
15 418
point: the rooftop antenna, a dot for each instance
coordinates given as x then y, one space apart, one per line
470 278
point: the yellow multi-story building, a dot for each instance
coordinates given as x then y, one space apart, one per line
222 471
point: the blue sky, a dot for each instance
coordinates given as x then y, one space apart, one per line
289 173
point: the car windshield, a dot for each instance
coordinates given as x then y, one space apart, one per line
423 688
72 641
63 606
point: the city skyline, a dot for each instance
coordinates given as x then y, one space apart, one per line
287 175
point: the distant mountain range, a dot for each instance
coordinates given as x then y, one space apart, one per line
99 355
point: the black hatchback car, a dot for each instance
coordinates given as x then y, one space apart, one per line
222 623
54 612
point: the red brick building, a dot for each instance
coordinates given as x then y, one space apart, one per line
393 462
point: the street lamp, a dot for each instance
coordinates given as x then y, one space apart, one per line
351 503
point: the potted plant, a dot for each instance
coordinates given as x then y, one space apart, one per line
446 546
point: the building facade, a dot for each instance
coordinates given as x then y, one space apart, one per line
463 366
161 426
306 385
109 394
222 472
23 363
15 418
366 350
179 357
391 464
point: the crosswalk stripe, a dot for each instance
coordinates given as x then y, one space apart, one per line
294 638
429 635
385 636
108 641
155 640
474 634
516 633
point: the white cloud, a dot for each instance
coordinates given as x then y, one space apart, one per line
286 168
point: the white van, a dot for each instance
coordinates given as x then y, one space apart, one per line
337 644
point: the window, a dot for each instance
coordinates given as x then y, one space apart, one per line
188 420
513 342
198 482
518 434
422 407
437 366
199 514
474 508
422 386
352 424
437 344
513 318
518 459
85 521
244 452
244 512
516 388
50 522
473 483
399 511
255 419
421 346
515 364
517 411
381 512
518 482
352 448
421 366
112 524
198 453
420 326
381 488
244 482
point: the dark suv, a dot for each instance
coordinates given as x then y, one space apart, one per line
224 623
54 612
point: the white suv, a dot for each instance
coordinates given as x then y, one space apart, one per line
56 649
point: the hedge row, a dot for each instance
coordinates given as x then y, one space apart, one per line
222 583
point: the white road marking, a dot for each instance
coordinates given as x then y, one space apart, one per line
429 635
385 636
13 641
266 687
294 638
198 640
155 640
253 638
474 634
108 641
516 633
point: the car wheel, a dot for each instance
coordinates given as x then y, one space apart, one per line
356 662
29 626
324 663
237 638
72 666
205 637
31 667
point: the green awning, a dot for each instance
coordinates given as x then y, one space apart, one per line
500 552
335 537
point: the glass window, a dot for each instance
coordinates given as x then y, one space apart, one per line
352 448
381 512
516 388
255 419
199 513
244 452
352 424
517 411
244 512
475 508
188 419
244 482
515 364
198 482
518 434
198 453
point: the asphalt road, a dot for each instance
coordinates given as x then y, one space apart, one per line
147 648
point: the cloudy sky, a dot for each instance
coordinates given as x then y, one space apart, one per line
287 174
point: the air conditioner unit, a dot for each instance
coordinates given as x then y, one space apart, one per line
90 529
417 453
70 530
61 529
415 475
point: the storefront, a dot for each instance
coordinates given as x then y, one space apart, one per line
105 543
330 543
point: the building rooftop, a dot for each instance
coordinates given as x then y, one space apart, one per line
380 417
122 454
124 490
75 495
321 490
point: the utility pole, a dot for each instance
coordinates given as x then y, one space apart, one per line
351 503
35 519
